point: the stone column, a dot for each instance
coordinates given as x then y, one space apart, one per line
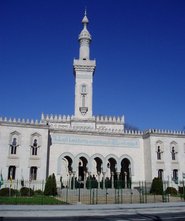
118 180
112 179
74 179
98 180
69 179
125 179
89 181
104 179
85 179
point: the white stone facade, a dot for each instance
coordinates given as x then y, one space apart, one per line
17 151
86 145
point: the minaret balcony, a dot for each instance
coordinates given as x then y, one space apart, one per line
83 110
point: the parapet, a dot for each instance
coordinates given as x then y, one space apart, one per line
110 119
164 132
103 125
20 121
56 118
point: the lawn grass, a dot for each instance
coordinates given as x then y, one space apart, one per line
35 200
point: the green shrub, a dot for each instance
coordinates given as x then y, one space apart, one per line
8 192
181 189
51 186
47 190
38 192
157 186
171 190
91 182
25 191
54 185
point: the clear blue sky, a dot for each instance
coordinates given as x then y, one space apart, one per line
139 47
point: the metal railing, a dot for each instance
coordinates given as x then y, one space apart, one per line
119 193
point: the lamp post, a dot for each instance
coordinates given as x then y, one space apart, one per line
79 183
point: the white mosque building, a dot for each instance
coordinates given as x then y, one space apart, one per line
86 145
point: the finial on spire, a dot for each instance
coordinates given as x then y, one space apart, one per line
85 19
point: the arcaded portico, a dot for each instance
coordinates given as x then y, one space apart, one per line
81 166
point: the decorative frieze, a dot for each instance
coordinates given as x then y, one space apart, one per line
95 141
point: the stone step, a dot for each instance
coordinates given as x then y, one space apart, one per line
98 191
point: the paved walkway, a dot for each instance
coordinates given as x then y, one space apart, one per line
89 210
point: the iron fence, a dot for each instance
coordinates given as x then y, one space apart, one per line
119 193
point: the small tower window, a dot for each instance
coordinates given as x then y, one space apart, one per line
84 89
83 92
83 109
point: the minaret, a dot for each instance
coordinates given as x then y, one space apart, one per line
83 72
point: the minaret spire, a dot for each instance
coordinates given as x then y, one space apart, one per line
84 70
84 39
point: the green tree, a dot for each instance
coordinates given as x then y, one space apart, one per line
157 186
54 185
51 186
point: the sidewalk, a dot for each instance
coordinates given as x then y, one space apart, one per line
89 210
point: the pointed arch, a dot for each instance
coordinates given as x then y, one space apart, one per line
59 161
82 165
173 144
81 155
125 156
36 136
106 161
99 159
17 135
159 144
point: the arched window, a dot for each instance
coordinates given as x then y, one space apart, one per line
13 146
83 89
174 150
11 172
35 144
14 142
34 147
158 153
160 174
159 148
33 173
173 153
83 93
175 176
